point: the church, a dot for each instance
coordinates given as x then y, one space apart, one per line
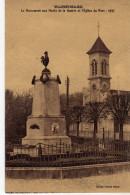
98 90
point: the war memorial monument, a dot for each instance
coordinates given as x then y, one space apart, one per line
46 124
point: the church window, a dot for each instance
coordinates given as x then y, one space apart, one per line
104 67
94 67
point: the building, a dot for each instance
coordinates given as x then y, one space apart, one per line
99 76
98 90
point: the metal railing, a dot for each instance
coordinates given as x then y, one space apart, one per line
62 155
107 134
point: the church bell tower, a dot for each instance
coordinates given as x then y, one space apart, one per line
99 76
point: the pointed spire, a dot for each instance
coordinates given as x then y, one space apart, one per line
99 47
98 26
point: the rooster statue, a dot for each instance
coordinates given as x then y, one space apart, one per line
45 59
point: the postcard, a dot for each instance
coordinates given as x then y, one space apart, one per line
67 96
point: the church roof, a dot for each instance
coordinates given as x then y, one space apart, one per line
99 47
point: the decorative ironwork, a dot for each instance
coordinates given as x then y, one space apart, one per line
63 155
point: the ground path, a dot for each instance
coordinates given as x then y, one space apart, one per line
118 182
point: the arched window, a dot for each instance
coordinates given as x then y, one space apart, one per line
104 67
94 67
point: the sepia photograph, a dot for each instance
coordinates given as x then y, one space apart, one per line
67 96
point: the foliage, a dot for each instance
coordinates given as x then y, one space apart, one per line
77 113
17 109
95 110
118 107
75 99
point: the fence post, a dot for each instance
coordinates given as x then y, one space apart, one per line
39 150
69 153
21 155
17 155
48 155
63 147
60 145
60 152
103 135
44 155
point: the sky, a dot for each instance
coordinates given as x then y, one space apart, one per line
67 36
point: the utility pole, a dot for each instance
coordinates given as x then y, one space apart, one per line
67 105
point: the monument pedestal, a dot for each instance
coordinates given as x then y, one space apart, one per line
46 130
46 125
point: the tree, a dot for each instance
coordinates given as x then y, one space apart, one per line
76 115
75 99
119 106
23 104
9 111
17 109
95 110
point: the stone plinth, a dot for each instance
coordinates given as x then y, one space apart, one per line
47 130
46 99
46 125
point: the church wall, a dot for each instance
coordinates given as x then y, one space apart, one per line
126 129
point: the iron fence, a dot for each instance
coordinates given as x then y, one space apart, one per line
62 155
100 134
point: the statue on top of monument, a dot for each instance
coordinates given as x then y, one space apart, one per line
45 59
